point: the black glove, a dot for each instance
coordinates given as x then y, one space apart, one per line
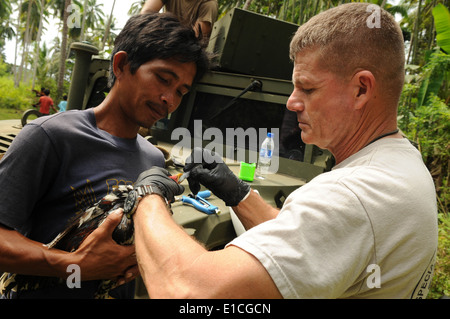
207 168
159 177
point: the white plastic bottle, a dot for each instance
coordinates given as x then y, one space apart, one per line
265 156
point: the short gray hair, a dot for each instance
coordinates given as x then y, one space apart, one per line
347 41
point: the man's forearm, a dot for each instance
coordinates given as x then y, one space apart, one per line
163 248
99 256
19 254
254 210
174 265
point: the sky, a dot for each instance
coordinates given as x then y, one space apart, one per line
120 13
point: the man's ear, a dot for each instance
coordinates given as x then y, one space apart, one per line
120 60
364 83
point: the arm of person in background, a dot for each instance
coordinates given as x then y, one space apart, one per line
202 27
152 6
206 16
38 103
54 108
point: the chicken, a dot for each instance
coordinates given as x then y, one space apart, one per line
72 237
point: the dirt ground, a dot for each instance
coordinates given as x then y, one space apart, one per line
10 126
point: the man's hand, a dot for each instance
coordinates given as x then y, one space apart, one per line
100 257
207 168
159 177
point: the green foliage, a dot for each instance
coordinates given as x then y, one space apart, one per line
434 75
424 116
440 285
442 22
14 98
3 68
430 128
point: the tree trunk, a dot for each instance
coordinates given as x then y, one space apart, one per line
16 71
247 4
108 26
38 41
415 39
62 61
83 23
25 43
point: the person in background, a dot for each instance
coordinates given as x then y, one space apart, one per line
39 93
46 103
198 14
63 104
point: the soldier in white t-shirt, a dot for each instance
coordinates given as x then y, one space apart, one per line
367 229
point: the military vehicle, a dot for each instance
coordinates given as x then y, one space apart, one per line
244 95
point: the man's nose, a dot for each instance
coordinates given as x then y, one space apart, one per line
295 103
168 99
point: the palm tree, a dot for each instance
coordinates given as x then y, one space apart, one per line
29 29
26 39
47 62
136 7
38 39
6 31
247 4
92 17
62 60
106 38
16 49
419 21
108 25
83 21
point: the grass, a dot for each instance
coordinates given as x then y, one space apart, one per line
15 98
10 114
440 285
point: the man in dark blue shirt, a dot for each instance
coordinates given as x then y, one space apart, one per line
60 165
